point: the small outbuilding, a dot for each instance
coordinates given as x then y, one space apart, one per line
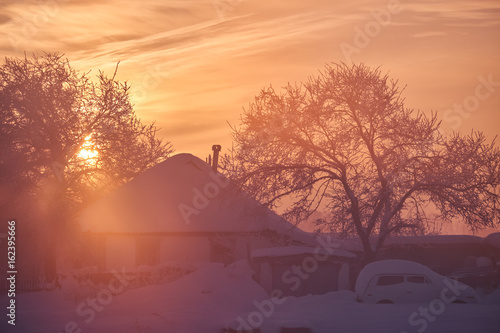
302 270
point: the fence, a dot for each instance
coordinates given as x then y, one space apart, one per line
22 286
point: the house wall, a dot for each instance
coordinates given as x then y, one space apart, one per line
131 250
184 248
444 258
120 252
344 282
229 247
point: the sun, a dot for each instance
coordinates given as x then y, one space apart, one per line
88 152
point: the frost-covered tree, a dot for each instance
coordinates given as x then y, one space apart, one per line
65 136
344 143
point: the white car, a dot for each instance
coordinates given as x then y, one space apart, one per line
403 281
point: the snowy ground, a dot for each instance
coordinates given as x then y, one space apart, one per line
215 297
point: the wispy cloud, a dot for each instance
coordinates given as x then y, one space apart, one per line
207 67
429 34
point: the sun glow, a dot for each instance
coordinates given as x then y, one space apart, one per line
88 152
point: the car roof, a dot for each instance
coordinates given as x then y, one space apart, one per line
392 267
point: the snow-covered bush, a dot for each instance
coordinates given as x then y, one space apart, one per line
147 275
76 287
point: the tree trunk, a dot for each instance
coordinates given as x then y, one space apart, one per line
50 261
56 226
369 255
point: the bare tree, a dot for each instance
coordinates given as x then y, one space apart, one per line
65 137
344 143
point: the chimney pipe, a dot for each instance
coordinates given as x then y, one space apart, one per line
215 163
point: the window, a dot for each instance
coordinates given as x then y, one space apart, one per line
148 250
387 280
417 279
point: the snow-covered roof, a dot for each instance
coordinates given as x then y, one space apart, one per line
300 250
433 239
182 194
354 244
493 239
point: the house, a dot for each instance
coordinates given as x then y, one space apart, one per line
442 253
181 210
470 259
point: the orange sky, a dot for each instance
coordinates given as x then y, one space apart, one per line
194 65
